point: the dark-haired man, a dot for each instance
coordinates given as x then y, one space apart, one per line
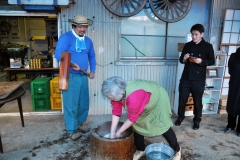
196 55
76 98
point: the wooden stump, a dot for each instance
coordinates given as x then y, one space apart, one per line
111 149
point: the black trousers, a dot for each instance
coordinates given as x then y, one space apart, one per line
170 136
196 88
232 122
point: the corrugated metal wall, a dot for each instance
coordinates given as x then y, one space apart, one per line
218 13
105 33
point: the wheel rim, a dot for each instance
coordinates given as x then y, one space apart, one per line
124 8
170 10
149 13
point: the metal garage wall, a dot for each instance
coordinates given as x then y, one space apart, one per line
218 13
105 33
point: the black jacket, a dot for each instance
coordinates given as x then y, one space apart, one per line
203 50
233 102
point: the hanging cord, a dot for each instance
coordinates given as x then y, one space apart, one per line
137 50
104 64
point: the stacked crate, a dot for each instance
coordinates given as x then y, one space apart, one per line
40 93
222 105
190 104
56 101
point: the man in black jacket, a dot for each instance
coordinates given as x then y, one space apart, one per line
196 55
233 101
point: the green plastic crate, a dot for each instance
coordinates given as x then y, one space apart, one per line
40 86
40 103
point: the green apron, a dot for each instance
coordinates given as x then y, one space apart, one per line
156 117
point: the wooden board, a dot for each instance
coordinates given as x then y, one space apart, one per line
6 88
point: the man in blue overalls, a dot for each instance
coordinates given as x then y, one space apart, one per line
76 98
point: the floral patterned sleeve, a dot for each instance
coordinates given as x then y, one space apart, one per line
136 102
116 108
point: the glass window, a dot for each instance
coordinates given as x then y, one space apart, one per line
144 36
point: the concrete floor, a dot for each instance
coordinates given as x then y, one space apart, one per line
44 136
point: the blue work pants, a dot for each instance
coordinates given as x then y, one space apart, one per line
76 102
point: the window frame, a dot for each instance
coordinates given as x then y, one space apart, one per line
156 60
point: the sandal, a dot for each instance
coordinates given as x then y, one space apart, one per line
83 129
75 135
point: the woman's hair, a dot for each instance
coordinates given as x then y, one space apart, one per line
197 27
114 86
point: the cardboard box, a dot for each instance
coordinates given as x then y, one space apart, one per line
222 110
39 45
189 107
223 101
190 100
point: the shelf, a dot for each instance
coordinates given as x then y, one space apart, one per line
215 66
212 90
189 113
213 78
208 112
230 44
210 102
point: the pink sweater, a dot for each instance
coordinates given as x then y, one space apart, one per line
135 104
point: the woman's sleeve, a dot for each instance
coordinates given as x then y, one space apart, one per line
136 102
116 108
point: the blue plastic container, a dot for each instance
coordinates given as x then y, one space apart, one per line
159 151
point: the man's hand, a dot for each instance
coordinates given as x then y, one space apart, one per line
197 60
91 76
75 66
186 56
